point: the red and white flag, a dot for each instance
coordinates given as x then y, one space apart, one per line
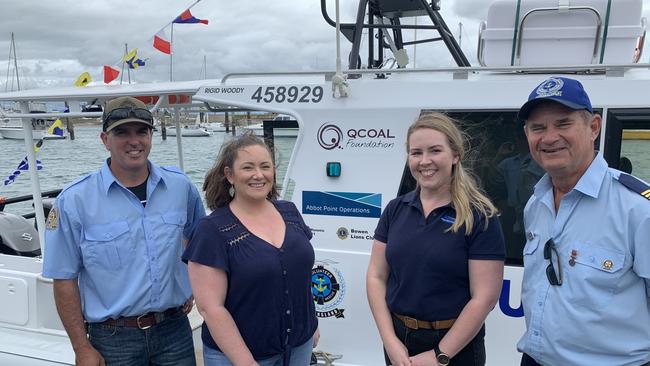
161 43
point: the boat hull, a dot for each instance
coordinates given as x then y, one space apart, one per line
18 133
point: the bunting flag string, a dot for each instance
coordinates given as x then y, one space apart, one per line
186 17
23 166
161 43
110 74
83 79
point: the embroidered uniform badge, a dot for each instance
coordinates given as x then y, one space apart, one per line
52 219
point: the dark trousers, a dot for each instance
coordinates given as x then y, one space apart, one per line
422 340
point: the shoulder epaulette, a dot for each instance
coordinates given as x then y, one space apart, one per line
75 182
634 184
174 169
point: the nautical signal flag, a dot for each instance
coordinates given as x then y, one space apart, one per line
83 79
56 128
186 17
132 59
110 74
23 166
161 43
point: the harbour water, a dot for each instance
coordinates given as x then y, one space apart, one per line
64 161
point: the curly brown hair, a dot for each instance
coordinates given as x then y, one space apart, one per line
216 184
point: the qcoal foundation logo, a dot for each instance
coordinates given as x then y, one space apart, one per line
328 290
330 137
342 233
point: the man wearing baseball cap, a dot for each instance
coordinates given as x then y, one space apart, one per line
113 244
587 256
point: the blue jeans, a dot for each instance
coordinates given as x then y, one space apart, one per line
166 344
300 356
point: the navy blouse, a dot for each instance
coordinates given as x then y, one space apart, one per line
429 275
269 289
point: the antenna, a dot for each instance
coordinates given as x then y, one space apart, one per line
339 83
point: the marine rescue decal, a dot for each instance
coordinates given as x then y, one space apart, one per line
341 203
328 290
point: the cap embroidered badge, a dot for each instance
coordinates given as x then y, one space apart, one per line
566 91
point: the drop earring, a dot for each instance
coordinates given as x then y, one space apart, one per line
231 191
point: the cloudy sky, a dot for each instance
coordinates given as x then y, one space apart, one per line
57 40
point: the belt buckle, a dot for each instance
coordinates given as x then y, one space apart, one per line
410 322
137 321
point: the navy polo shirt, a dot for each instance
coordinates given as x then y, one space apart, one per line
429 274
269 289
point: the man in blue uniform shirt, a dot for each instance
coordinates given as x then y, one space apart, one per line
113 244
587 255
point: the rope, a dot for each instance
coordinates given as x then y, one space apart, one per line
514 36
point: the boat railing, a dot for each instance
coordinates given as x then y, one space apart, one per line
463 71
28 197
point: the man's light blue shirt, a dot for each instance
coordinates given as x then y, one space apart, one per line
126 256
600 315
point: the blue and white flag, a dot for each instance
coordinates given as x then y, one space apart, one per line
23 166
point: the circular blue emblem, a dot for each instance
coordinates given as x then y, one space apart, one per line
550 87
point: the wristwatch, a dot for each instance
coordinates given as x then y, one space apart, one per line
443 358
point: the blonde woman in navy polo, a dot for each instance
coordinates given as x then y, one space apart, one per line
436 267
250 265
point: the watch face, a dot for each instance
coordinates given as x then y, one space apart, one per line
443 359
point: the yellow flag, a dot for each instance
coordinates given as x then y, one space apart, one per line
131 55
83 79
56 128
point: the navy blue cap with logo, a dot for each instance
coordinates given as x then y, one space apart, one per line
566 91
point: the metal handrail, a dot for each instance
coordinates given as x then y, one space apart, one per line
578 68
481 43
588 8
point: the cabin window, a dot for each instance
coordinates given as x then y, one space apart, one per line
628 141
281 135
499 158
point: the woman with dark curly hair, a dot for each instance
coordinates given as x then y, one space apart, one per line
251 250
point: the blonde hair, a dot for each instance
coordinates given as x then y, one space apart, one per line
466 196
216 185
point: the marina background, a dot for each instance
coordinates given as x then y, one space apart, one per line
66 160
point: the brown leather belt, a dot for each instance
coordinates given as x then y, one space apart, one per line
143 321
413 323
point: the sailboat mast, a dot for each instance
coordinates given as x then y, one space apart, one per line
12 51
13 44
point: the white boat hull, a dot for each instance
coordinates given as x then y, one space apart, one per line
18 133
30 329
189 132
